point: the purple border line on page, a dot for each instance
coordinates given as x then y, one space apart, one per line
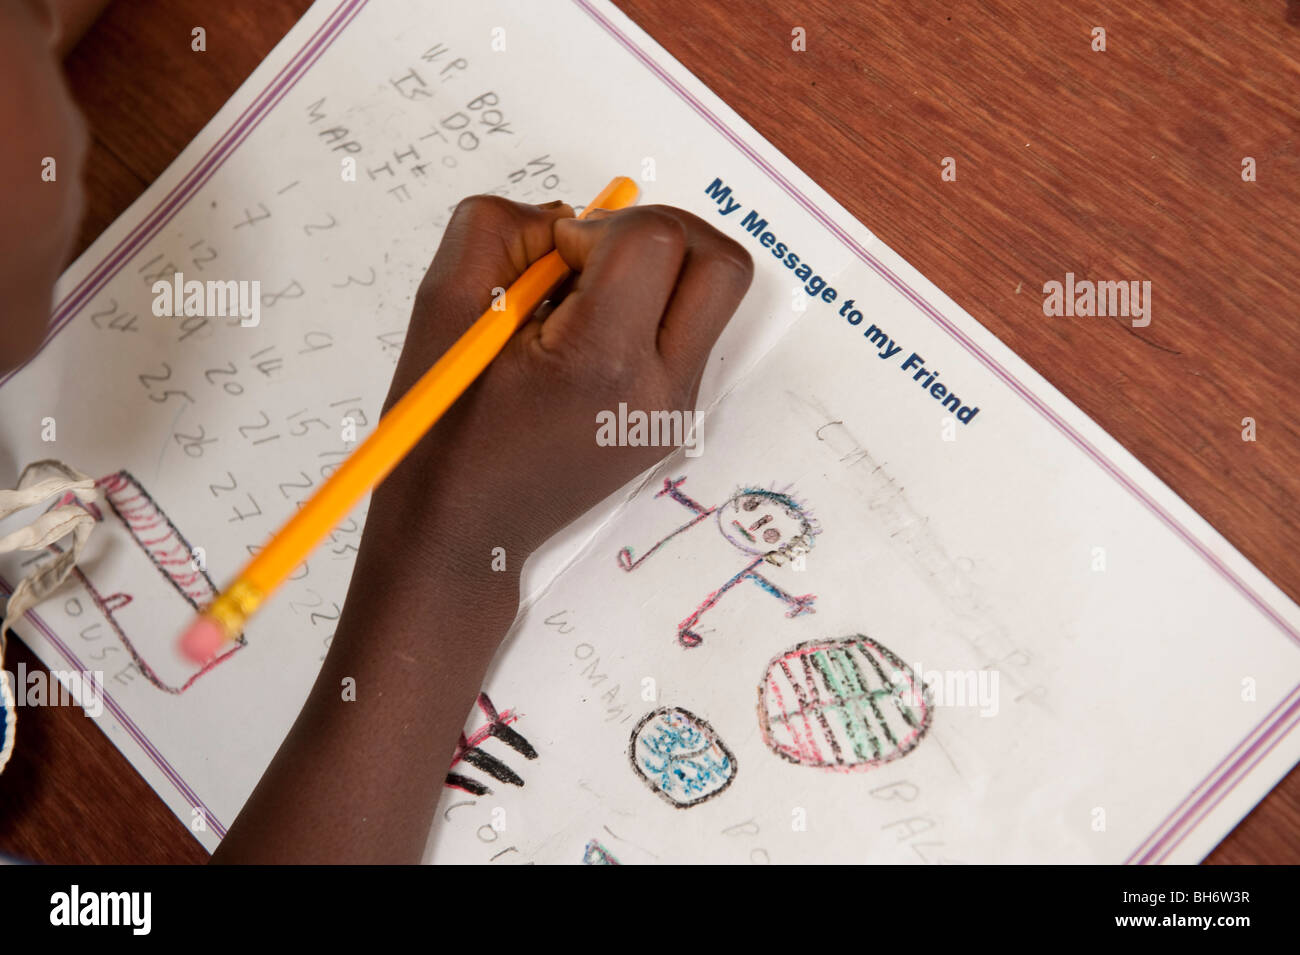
108 268
1185 809
1218 789
1246 771
1215 778
155 756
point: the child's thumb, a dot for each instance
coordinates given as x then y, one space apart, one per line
577 238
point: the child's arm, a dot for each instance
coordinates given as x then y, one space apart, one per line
515 460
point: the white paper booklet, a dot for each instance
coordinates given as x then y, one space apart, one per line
909 605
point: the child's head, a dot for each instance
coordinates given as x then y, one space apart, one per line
40 200
767 523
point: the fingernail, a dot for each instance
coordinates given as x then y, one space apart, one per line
553 204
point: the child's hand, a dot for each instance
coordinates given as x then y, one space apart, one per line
516 458
513 461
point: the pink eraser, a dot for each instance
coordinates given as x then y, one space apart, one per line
202 640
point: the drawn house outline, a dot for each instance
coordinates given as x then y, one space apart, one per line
168 550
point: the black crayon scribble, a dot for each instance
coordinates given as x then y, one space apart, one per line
470 750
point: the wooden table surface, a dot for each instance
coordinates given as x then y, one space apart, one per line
1117 164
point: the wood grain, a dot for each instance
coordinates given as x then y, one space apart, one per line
1123 164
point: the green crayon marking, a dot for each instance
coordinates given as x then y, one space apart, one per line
858 731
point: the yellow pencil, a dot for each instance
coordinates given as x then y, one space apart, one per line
397 432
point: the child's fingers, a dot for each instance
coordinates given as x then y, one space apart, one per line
715 274
714 278
488 243
627 267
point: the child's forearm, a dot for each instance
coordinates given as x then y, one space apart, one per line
358 780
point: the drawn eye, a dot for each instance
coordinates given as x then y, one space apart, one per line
751 503
771 535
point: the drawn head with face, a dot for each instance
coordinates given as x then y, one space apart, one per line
38 215
767 523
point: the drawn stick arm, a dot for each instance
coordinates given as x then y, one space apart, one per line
625 559
673 489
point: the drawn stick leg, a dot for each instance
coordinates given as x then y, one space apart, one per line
802 603
686 634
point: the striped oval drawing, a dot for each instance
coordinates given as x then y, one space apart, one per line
848 705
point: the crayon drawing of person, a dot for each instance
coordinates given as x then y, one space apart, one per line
767 526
